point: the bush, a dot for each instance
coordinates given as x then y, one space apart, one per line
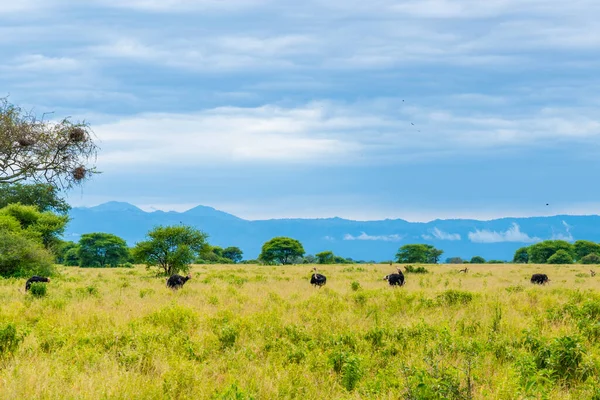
38 289
21 256
9 340
561 257
415 270
591 258
355 286
477 260
451 297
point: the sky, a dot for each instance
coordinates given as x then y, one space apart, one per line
412 109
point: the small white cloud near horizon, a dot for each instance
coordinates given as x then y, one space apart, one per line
563 236
439 234
384 238
513 234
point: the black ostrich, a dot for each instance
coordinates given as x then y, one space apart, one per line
317 279
33 279
539 279
177 281
396 279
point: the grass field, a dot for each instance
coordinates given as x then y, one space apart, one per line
260 332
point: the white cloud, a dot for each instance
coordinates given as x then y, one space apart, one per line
384 238
567 236
437 233
513 234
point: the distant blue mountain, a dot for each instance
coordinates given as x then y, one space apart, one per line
360 240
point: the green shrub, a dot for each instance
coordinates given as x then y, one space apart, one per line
38 289
415 270
348 366
9 340
355 286
591 258
561 257
452 297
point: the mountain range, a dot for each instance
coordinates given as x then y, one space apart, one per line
359 240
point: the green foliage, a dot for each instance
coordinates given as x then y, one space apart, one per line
60 251
325 257
584 248
410 269
452 297
592 258
71 257
170 248
45 227
101 250
235 254
281 250
495 262
355 286
233 392
561 257
521 256
22 256
43 196
454 260
539 253
477 260
38 289
9 340
418 253
348 367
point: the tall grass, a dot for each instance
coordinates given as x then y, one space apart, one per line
264 333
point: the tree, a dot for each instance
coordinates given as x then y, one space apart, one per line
309 259
325 257
43 196
171 248
61 249
418 253
585 247
592 258
43 226
539 253
101 250
31 149
235 254
454 260
21 251
521 256
281 250
477 260
71 257
561 257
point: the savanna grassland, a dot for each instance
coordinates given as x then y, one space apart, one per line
261 332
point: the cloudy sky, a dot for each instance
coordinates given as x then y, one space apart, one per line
414 109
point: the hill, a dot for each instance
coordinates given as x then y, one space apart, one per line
360 240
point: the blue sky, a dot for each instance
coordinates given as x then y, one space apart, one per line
417 109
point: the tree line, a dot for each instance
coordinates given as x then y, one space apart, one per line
559 252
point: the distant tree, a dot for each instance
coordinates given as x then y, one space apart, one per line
325 257
541 252
34 150
454 260
495 262
170 248
235 254
43 196
309 259
281 250
477 260
592 258
418 253
101 250
61 249
585 247
521 256
71 257
561 257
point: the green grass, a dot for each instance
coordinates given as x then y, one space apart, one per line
252 332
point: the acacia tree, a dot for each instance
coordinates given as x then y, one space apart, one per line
325 257
32 149
171 248
233 253
281 250
102 249
418 253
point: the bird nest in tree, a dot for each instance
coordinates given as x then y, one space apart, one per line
25 142
79 173
77 134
